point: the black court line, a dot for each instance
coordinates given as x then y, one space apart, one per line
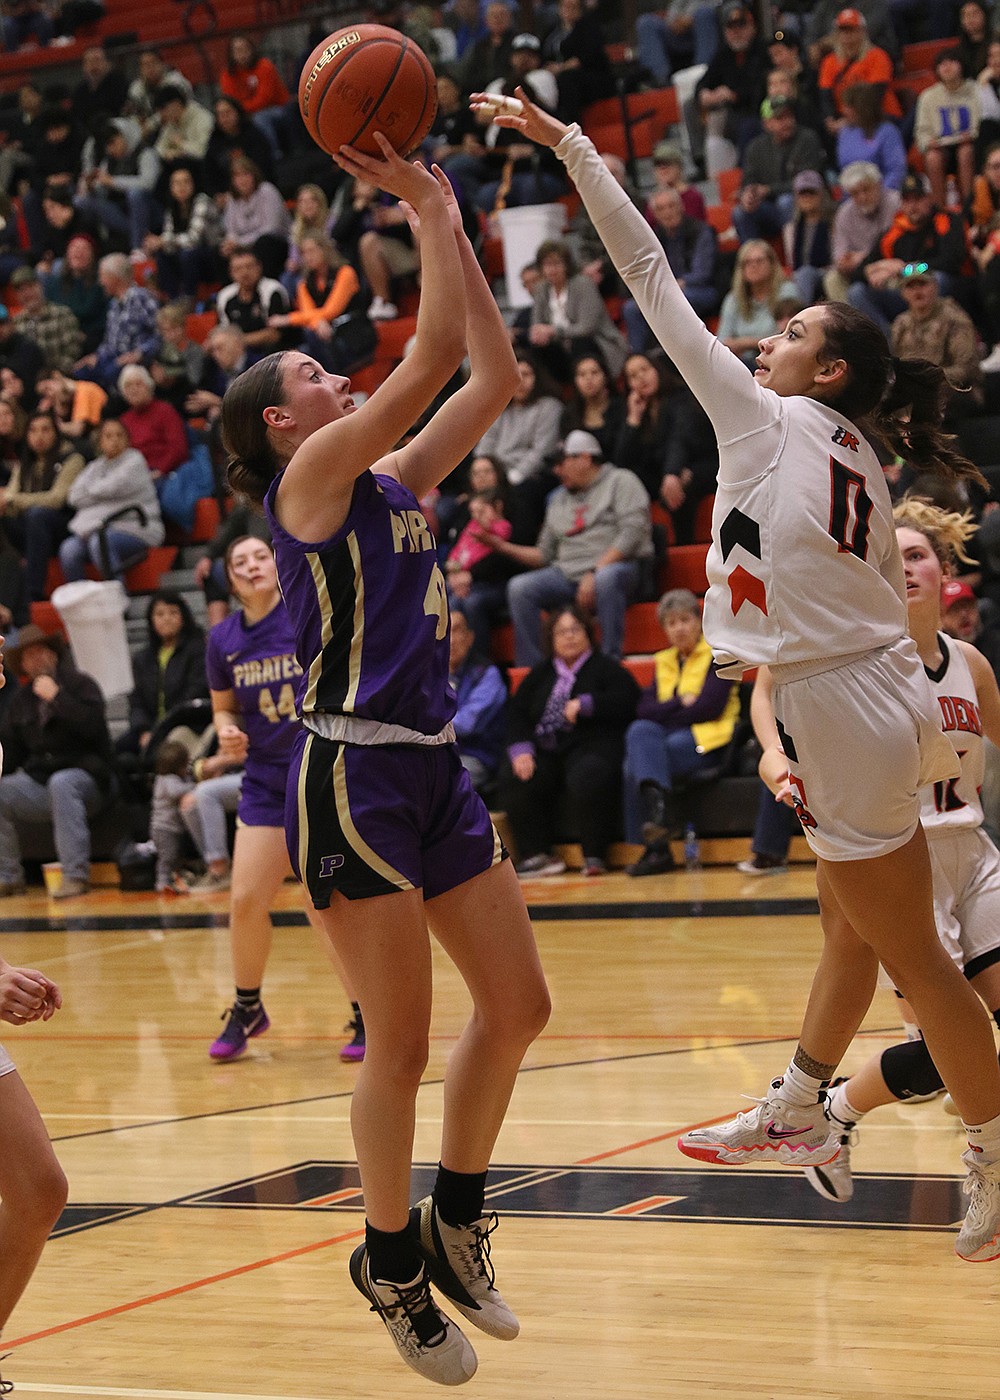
539 913
431 1083
663 1195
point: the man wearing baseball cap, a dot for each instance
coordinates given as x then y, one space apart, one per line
771 162
595 540
934 328
731 89
919 233
820 26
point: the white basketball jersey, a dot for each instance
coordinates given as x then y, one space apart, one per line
956 802
804 563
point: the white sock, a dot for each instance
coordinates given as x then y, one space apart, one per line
912 1030
800 1089
984 1139
839 1106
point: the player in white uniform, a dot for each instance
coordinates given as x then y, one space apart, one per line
964 861
32 1185
806 577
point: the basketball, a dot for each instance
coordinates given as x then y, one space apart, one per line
367 79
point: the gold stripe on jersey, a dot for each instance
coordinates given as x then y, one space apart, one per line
326 613
303 807
358 634
498 848
358 844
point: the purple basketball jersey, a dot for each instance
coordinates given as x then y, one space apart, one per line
259 665
370 611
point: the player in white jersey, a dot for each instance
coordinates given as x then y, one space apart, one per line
806 577
32 1185
964 861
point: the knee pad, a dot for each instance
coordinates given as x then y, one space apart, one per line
909 1071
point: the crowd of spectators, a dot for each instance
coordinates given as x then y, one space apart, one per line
128 205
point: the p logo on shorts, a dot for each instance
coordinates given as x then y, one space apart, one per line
328 864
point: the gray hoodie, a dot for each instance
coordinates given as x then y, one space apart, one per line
107 485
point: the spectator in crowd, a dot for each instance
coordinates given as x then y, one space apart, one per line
730 91
946 127
806 235
330 309
574 51
820 27
480 592
786 58
187 249
55 156
376 225
56 223
18 352
854 59
210 570
173 781
257 85
24 21
974 27
35 501
180 361
185 126
77 405
249 302
255 217
54 328
455 131
866 213
918 233
594 404
988 92
683 34
11 252
934 328
57 760
506 171
153 74
526 433
684 718
13 425
76 285
488 57
101 92
130 336
168 671
206 811
233 136
569 315
119 184
566 729
311 215
117 515
465 20
481 717
154 427
867 135
749 308
15 610
595 546
691 247
668 174
770 164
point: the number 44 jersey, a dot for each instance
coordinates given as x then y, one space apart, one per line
370 611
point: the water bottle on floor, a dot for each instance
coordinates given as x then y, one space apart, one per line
692 848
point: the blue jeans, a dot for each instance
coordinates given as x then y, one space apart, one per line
662 53
540 590
655 754
774 828
214 799
767 220
124 550
36 532
482 609
134 220
66 800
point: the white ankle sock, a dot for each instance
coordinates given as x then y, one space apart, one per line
984 1139
800 1089
839 1106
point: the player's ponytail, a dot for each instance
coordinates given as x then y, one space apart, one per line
901 402
252 460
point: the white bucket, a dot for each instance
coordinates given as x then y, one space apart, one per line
94 614
522 232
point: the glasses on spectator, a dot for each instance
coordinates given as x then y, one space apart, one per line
916 270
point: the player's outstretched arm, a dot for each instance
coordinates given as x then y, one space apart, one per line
461 421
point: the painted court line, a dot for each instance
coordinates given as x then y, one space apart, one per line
99 1392
176 1293
647 1203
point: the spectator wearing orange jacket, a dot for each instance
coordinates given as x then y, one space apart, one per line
855 59
257 85
330 307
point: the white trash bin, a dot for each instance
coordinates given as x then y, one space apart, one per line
522 232
94 614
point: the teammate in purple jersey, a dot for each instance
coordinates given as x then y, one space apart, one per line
383 824
252 673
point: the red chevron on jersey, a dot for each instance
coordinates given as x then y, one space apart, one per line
744 588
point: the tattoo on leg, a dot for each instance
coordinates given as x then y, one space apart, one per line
812 1067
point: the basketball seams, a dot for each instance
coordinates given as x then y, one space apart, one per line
400 51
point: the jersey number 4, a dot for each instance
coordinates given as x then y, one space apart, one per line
850 510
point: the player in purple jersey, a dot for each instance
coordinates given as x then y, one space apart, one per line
252 673
383 824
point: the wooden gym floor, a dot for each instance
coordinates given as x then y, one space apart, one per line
213 1207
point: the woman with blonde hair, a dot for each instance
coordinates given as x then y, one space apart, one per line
311 215
330 308
749 309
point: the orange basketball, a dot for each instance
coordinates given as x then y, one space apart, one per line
367 79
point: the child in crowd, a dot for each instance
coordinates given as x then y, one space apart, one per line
485 516
166 826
